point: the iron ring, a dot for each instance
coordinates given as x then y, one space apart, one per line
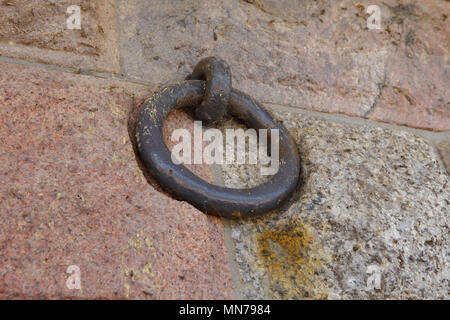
177 180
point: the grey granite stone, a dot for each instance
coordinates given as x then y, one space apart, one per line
369 221
444 150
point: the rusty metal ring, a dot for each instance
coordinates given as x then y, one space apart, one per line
217 75
183 184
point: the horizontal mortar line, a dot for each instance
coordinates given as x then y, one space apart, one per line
52 67
435 136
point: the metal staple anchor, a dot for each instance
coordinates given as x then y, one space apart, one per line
213 96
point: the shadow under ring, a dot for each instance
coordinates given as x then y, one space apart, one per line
180 182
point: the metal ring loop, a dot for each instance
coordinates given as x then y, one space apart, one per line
183 184
217 75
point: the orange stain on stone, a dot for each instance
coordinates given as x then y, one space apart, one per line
288 254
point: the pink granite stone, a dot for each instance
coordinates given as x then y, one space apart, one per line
72 193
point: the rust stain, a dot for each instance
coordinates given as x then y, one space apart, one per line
290 258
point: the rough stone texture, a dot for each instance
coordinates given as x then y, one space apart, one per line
37 30
72 193
373 202
444 150
311 54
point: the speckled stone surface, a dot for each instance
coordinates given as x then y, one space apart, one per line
72 193
370 220
36 30
313 54
444 150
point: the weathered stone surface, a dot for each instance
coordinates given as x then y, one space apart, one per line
36 30
72 193
374 203
444 150
311 54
